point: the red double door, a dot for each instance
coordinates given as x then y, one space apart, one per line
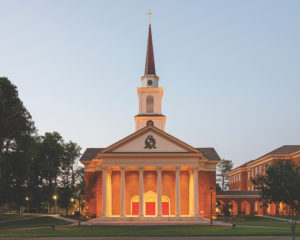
150 208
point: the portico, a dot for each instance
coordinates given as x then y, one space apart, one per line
154 202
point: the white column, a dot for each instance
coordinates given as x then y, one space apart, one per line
196 191
108 193
122 191
191 193
177 192
159 191
104 191
141 192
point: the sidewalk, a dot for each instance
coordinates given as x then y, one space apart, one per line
154 238
280 219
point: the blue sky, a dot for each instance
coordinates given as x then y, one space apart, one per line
230 69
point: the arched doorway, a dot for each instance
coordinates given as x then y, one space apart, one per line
234 209
150 205
245 207
135 205
165 205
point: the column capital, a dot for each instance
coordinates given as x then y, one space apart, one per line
159 168
122 168
177 168
195 168
141 169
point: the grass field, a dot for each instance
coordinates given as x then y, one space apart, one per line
257 221
11 216
247 226
32 222
190 230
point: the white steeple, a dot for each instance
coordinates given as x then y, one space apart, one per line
150 95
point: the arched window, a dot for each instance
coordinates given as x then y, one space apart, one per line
150 104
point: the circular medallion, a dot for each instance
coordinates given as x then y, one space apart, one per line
150 142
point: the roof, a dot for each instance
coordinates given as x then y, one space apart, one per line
150 65
209 153
90 153
285 149
243 165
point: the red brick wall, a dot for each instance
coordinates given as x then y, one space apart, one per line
131 188
244 180
184 192
168 188
116 192
90 192
99 195
205 180
150 181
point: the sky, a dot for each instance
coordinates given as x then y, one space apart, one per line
230 69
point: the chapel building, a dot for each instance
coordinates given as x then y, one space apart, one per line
150 173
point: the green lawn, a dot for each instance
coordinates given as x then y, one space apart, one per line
257 221
9 216
33 222
190 230
271 227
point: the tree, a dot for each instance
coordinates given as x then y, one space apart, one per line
223 168
15 122
67 176
19 162
51 158
281 184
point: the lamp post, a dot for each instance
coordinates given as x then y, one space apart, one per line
27 201
211 190
55 202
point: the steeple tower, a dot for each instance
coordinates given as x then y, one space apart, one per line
150 64
150 95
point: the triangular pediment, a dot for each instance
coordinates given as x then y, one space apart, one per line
160 141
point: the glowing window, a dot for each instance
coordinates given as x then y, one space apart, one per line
150 199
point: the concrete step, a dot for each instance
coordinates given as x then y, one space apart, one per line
147 219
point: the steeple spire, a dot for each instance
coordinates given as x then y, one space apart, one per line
150 65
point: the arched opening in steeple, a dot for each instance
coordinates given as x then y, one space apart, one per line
149 104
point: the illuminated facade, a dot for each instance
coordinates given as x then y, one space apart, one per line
150 173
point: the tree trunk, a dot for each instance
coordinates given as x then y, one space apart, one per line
293 224
3 209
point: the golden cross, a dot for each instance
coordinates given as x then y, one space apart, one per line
149 14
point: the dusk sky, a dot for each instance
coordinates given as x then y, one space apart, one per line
230 69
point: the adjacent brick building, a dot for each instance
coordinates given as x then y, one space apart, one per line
242 195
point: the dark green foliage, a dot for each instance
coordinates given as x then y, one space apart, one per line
30 165
16 126
281 184
225 209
